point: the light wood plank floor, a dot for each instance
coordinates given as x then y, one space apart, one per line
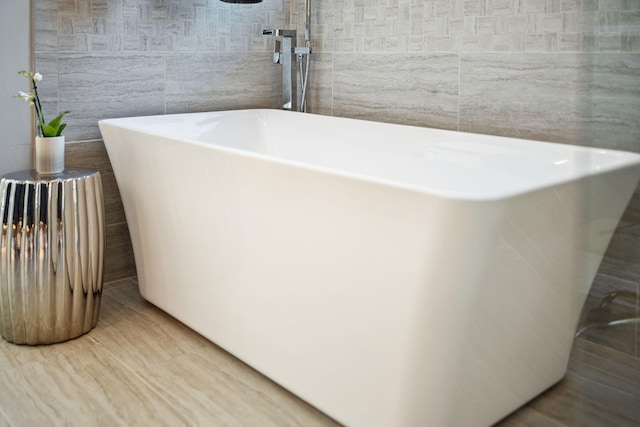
139 366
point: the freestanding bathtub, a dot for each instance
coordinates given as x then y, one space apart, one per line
389 275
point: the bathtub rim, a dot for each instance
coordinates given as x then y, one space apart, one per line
627 159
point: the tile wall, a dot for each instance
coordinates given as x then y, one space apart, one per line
116 58
558 70
107 58
561 70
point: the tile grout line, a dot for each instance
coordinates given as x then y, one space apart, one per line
113 284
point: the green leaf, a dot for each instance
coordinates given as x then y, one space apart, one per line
49 131
55 126
56 122
61 128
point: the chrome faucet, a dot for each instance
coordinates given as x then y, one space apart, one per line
284 53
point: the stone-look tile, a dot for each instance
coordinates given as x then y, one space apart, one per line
520 95
174 26
319 86
74 43
605 366
220 81
127 282
114 311
603 285
456 25
624 331
46 25
14 356
615 268
598 312
630 41
166 354
128 295
581 100
119 261
122 304
632 213
414 89
97 86
637 340
600 389
624 245
93 155
614 99
81 387
119 253
580 401
528 417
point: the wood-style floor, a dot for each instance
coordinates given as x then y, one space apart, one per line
139 366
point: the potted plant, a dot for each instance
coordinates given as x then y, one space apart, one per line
49 158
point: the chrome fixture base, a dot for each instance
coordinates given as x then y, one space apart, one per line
286 58
285 53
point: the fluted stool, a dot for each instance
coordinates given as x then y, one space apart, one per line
52 259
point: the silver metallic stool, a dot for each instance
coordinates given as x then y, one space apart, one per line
52 259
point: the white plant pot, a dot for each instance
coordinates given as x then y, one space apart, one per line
49 155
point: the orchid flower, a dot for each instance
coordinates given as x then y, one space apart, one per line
27 97
55 126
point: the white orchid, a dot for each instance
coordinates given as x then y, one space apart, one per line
27 97
55 126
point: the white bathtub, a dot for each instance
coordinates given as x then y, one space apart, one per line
388 275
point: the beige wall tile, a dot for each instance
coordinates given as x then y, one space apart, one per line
106 85
519 95
119 253
320 86
397 88
120 262
93 155
205 81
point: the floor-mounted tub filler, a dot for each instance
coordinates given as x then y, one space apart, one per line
389 275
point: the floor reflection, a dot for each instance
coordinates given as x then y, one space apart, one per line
615 308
